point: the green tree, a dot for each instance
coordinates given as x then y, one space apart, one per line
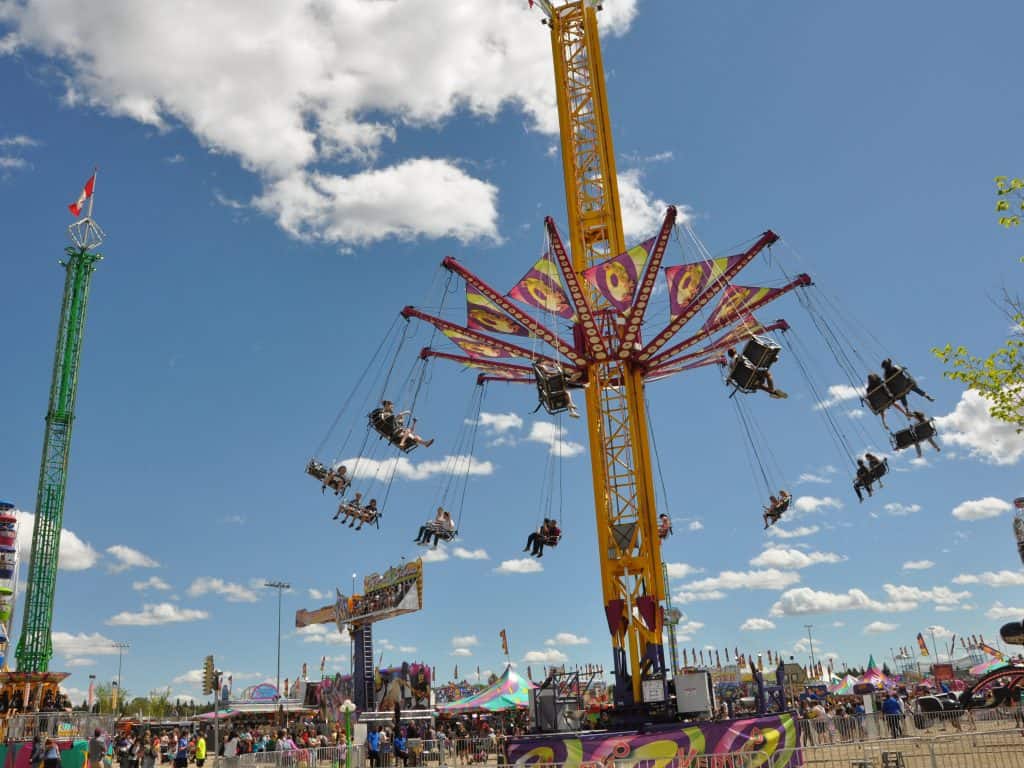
159 702
999 377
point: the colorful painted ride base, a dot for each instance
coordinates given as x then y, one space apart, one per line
73 753
774 736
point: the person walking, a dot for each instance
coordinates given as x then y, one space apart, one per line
893 713
35 759
373 746
51 754
97 749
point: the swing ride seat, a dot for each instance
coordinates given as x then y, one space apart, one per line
913 435
390 428
762 352
552 389
744 376
442 535
883 396
664 533
784 505
899 384
552 541
316 469
878 471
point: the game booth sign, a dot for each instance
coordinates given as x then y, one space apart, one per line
774 736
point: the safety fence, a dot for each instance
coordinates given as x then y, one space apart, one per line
418 752
56 725
845 728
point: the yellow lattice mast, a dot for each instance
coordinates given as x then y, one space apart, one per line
630 552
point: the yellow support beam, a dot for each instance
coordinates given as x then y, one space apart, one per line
629 547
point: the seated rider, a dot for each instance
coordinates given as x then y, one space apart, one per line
387 417
428 528
919 418
863 481
446 530
664 526
890 369
366 514
873 464
336 479
874 382
535 541
349 508
763 381
551 370
771 513
407 435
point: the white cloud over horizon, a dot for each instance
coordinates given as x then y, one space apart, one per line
970 426
153 614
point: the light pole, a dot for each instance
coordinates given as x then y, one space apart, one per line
121 646
809 627
280 586
935 648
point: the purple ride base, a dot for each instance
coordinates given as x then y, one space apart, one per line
777 736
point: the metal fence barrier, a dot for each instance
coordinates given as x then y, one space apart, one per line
57 725
846 728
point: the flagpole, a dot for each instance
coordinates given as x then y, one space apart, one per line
92 197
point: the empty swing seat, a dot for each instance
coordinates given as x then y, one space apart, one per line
762 352
913 435
552 391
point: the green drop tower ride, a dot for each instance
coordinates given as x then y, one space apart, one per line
35 646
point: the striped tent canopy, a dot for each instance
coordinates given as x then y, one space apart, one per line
989 665
875 676
510 691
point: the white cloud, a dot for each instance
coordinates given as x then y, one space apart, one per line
685 596
154 614
918 565
423 196
80 662
75 554
18 141
993 578
838 393
343 78
812 504
522 565
939 632
937 595
407 648
470 554
794 533
696 525
781 557
902 509
461 652
757 625
153 582
999 612
769 578
553 436
401 467
192 677
878 627
566 638
971 426
810 477
82 644
549 656
465 640
981 509
316 594
681 570
438 555
12 162
804 600
500 423
127 557
233 593
323 633
174 159
642 213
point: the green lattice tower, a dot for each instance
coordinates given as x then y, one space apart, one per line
35 647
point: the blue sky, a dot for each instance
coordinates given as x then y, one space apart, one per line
277 183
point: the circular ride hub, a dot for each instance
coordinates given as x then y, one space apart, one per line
603 290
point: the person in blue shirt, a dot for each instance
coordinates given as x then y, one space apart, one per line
893 711
373 745
400 746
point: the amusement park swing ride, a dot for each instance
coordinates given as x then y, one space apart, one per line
601 290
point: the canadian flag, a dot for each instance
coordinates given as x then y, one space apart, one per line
76 207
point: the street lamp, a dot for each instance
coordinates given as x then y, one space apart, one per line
121 646
280 586
935 647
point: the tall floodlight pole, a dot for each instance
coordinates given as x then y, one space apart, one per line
280 586
935 647
121 646
810 639
35 646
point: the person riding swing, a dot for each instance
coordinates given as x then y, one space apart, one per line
367 514
349 508
761 380
777 506
664 526
337 480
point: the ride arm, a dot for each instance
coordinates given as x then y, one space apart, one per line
472 362
584 315
778 325
801 281
635 318
542 332
647 354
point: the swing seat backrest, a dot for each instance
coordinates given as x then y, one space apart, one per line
551 388
903 438
924 431
879 471
762 352
552 541
878 399
386 426
899 384
316 469
784 505
744 376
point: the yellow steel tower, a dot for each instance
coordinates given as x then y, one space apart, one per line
630 552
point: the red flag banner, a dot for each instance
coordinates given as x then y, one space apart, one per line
991 651
617 277
921 645
541 287
735 302
474 347
504 641
688 281
485 315
77 206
